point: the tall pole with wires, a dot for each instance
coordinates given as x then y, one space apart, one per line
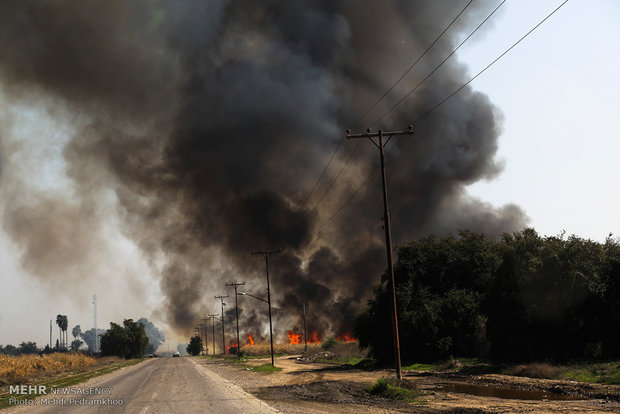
235 285
206 334
388 230
266 254
221 298
305 336
213 316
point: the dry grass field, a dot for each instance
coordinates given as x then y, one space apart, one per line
282 349
14 369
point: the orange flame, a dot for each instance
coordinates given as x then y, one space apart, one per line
293 337
233 345
250 339
314 338
347 337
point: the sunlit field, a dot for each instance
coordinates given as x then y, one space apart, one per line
15 368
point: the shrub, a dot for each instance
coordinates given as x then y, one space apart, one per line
392 389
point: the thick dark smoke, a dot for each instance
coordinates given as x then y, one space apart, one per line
210 120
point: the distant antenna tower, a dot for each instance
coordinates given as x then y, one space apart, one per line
95 323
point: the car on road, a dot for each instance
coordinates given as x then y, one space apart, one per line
176 354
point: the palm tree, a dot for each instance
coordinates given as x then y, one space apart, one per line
59 323
63 323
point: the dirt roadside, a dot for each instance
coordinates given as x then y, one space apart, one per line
303 387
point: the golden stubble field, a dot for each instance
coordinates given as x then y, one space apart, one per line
15 369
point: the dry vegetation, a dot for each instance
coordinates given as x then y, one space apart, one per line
17 369
535 370
281 349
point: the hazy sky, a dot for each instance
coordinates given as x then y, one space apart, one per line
559 92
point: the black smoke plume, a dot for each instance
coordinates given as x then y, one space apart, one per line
209 122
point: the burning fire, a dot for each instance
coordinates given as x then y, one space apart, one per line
347 337
293 337
314 338
228 347
250 339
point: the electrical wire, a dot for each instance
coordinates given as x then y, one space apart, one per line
331 184
490 64
359 118
412 66
365 182
351 197
438 66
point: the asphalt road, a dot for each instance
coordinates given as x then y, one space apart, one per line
158 385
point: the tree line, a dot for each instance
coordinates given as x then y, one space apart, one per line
130 340
522 298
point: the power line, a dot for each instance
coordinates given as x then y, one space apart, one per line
350 198
399 102
490 64
412 66
438 66
323 172
331 184
331 158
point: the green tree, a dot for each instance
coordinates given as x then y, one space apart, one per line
440 286
9 350
547 301
195 345
127 341
28 348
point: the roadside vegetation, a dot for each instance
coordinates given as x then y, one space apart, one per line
599 372
522 299
18 369
127 341
395 390
54 370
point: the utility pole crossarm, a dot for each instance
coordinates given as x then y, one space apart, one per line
380 134
370 135
266 252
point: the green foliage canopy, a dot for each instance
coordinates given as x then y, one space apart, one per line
195 345
523 298
127 341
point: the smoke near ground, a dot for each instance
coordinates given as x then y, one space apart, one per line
155 335
195 130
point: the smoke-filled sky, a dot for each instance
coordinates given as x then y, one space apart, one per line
147 147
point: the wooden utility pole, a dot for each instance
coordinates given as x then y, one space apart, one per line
305 336
266 254
235 285
212 316
388 230
221 298
204 323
